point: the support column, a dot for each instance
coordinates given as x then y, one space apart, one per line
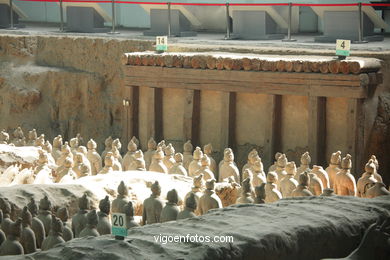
228 120
273 129
130 113
191 121
355 134
317 130
154 116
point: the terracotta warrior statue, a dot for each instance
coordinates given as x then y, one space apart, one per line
187 154
209 200
117 162
208 150
63 215
322 174
345 184
4 137
27 238
281 167
334 167
12 246
228 167
108 146
315 184
152 206
80 162
197 190
79 220
379 189
252 157
74 144
257 172
66 175
328 192
57 144
148 155
289 183
18 137
377 176
272 193
48 148
93 157
246 192
260 194
273 166
36 224
178 167
6 222
65 153
205 168
195 165
108 164
168 160
129 156
129 211
104 224
171 210
55 236
157 164
116 148
32 136
2 234
121 199
44 213
302 189
305 164
189 209
90 228
367 180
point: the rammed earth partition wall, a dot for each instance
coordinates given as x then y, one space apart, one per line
272 103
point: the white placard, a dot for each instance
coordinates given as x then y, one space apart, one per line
343 47
161 43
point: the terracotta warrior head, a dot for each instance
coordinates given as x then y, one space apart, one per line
45 204
191 202
26 217
375 161
172 196
260 191
198 181
210 184
187 147
135 140
156 189
105 205
84 203
43 158
335 158
129 209
252 156
109 160
57 226
108 143
246 186
197 153
169 150
304 179
57 141
32 135
370 167
74 142
92 218
159 154
132 146
346 162
228 155
152 144
178 157
305 158
123 190
272 177
91 144
291 168
205 161
277 155
247 174
15 228
33 207
208 149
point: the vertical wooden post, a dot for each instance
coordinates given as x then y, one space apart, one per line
135 112
130 113
273 129
228 120
317 129
191 121
154 116
355 134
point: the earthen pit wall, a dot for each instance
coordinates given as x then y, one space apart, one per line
95 110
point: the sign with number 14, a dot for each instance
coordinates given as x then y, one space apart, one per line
161 43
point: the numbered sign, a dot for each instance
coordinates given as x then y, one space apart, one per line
161 43
118 221
343 47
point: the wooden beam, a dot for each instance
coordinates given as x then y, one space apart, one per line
275 83
317 129
355 134
191 122
228 120
154 114
273 130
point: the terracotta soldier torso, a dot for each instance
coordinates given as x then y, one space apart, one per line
273 166
197 190
228 168
345 184
36 224
205 169
63 215
157 164
171 210
57 144
260 194
258 175
367 180
322 174
152 206
315 185
169 160
121 199
305 164
108 164
246 193
129 211
44 213
27 238
178 167
32 136
379 189
289 183
208 150
108 146
79 220
55 236
93 157
280 168
104 224
128 158
334 167
12 245
272 193
187 154
148 155
195 165
209 200
302 189
92 222
189 209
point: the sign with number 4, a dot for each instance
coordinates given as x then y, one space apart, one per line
119 224
343 47
161 43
